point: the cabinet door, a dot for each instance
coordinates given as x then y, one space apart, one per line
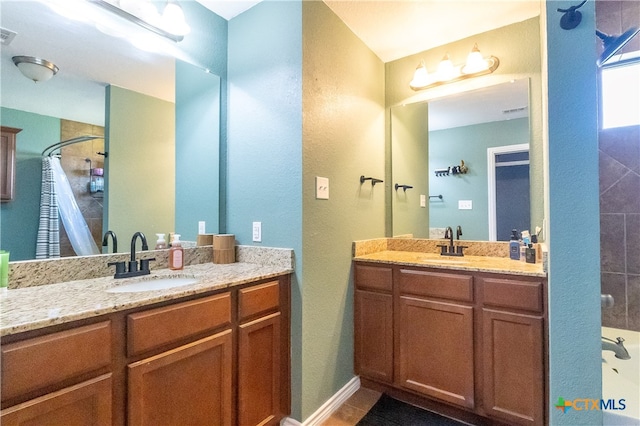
259 371
373 317
513 367
87 403
190 385
436 350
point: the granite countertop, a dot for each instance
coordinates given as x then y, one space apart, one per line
503 265
31 308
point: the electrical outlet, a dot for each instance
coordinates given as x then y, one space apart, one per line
257 232
465 205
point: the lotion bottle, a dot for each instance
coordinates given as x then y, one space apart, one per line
176 254
161 243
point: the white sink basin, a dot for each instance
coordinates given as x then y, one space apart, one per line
153 284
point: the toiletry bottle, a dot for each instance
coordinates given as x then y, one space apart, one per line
161 243
176 254
514 245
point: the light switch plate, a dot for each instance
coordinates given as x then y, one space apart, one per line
465 205
257 232
423 200
322 188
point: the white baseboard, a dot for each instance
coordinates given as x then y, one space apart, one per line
329 407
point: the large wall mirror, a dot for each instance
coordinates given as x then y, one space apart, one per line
489 130
105 84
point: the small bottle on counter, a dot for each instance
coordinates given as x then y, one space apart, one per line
161 243
176 254
514 245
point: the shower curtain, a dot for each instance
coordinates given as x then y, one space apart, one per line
57 199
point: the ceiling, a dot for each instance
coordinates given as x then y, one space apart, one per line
391 29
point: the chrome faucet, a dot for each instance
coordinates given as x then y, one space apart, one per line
114 239
616 346
133 270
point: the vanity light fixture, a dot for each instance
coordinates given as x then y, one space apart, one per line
447 72
170 24
35 69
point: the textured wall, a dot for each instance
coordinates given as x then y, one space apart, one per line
343 131
263 159
19 218
140 168
575 365
197 150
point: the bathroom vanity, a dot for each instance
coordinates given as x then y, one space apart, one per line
214 352
465 336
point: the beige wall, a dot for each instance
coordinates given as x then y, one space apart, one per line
518 48
343 138
140 168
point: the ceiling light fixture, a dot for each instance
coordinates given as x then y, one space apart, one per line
35 69
447 72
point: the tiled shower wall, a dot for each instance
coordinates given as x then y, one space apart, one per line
620 191
620 225
76 167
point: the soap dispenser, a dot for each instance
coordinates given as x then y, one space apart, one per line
161 243
514 245
176 254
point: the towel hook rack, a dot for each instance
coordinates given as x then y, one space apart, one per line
372 179
404 187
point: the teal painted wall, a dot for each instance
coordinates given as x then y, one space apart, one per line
197 150
574 264
469 143
263 152
19 218
343 138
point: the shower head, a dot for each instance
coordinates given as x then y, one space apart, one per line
613 44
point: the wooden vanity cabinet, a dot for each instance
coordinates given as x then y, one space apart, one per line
513 349
373 321
435 335
62 378
462 339
220 359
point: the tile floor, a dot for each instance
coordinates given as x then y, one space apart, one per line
353 408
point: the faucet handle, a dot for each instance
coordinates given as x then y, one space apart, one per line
144 264
119 267
620 340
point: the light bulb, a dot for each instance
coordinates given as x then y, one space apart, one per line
420 76
173 19
475 62
446 70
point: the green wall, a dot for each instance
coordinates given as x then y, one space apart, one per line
19 218
518 48
409 154
469 143
140 167
343 138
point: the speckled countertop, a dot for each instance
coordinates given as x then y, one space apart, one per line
467 263
31 308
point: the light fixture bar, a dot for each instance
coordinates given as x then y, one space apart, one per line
132 18
492 65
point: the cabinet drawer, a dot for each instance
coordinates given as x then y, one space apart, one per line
44 361
258 300
436 284
373 278
514 294
162 326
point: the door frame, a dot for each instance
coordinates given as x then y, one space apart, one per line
491 176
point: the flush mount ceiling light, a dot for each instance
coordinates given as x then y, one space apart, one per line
35 69
447 72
